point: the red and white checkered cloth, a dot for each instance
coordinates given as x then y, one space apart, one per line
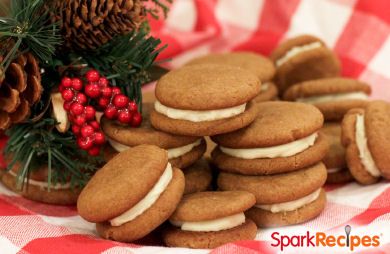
358 30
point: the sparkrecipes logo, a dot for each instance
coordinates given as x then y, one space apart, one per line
321 239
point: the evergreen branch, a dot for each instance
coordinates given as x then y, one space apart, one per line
30 28
33 144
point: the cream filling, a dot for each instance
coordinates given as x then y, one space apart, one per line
333 170
364 153
294 51
199 115
284 150
147 201
211 225
291 205
172 153
264 87
334 97
44 185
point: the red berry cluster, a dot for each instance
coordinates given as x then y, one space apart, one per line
83 116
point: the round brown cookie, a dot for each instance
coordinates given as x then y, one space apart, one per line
335 158
257 64
206 206
145 134
311 64
211 205
269 92
267 166
174 237
121 184
62 196
334 109
276 188
36 193
198 177
277 123
264 218
151 218
206 128
198 87
348 139
377 122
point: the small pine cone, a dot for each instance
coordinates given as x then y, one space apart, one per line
90 24
20 88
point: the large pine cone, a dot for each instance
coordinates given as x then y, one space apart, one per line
88 24
20 87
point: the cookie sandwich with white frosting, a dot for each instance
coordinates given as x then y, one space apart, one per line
332 96
257 64
366 138
132 194
205 99
282 199
183 151
209 219
284 137
302 58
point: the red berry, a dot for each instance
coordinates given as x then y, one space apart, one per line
81 98
92 90
76 129
67 95
110 112
136 119
99 138
76 109
103 82
79 120
61 88
71 117
77 84
66 82
107 92
92 76
95 125
132 107
116 90
84 143
103 102
120 101
90 113
87 131
67 105
124 117
94 151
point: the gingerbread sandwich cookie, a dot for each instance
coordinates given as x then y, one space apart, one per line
284 137
303 58
366 135
36 187
332 96
132 194
210 219
282 199
183 151
205 99
257 64
335 162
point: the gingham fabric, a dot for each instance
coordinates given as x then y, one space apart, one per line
358 30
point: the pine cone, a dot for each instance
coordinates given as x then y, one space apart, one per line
20 87
90 24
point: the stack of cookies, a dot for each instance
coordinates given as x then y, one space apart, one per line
307 71
278 159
